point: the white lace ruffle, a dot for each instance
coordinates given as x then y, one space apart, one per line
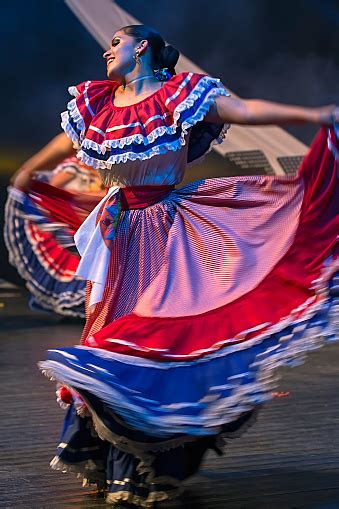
84 144
98 164
64 303
291 350
74 113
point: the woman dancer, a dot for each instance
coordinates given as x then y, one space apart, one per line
196 295
43 252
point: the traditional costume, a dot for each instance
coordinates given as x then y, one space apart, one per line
43 251
195 296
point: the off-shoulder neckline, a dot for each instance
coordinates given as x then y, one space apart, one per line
114 107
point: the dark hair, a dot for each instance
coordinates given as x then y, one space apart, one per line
162 55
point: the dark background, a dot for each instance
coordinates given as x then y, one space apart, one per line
284 51
279 50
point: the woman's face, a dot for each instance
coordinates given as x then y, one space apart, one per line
119 57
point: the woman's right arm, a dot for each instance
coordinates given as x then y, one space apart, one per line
47 158
234 110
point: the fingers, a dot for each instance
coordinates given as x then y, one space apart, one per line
329 115
335 115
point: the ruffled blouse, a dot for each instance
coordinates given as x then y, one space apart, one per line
154 138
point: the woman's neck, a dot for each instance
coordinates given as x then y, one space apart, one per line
138 84
141 78
136 91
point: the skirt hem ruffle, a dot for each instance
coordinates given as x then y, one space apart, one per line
147 502
252 385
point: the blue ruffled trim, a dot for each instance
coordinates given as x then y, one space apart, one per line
188 114
47 292
198 397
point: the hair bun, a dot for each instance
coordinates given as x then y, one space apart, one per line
169 57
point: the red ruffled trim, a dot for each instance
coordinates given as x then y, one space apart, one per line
91 97
285 295
54 258
94 101
63 206
96 126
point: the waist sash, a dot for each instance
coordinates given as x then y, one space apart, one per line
95 236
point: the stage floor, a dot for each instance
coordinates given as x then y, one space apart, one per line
288 460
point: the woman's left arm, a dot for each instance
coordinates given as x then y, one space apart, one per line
233 110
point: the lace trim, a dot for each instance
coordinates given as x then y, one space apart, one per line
93 473
137 139
88 469
73 91
195 95
308 309
162 130
52 304
147 502
76 116
97 164
146 452
64 303
102 148
243 398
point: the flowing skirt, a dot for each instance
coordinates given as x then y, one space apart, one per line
206 293
45 257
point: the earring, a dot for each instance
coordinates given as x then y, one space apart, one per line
137 57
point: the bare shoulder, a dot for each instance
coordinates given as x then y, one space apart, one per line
224 109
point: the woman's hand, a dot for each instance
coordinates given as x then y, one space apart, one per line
329 115
21 178
47 158
61 179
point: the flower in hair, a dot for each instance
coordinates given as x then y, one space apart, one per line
162 74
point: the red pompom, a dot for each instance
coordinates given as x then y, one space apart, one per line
65 395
